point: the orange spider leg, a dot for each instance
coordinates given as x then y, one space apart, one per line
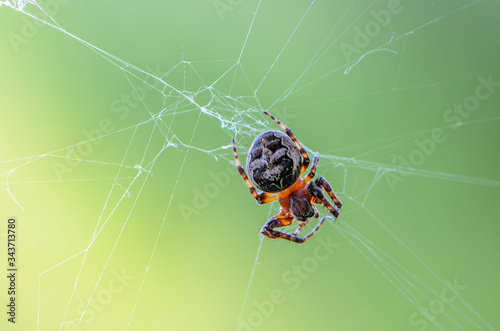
263 197
277 221
315 189
312 173
289 132
316 212
322 182
331 208
280 221
304 239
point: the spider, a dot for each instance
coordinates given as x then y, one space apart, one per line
275 163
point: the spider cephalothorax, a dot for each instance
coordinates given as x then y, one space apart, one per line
275 163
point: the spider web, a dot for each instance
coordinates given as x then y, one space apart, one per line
105 252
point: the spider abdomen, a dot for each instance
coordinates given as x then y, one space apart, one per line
273 162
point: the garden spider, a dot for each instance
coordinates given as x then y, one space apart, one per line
275 163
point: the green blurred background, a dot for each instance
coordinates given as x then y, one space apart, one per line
132 204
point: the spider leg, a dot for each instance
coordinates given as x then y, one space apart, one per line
316 212
323 183
296 233
276 222
318 196
304 239
305 162
304 223
312 172
300 227
263 197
